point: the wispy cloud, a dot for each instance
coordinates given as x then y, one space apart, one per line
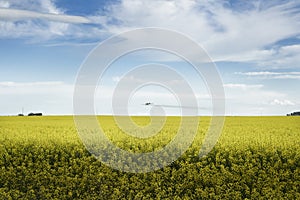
253 99
284 102
4 4
268 73
42 21
22 84
242 86
236 33
20 15
227 33
116 79
271 74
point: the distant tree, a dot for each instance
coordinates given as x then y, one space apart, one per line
35 114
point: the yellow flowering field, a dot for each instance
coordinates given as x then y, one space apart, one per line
255 158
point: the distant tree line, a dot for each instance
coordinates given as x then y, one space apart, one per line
32 114
294 114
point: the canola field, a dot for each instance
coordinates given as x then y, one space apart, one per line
255 158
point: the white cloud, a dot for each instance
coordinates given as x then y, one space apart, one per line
43 6
20 15
282 102
147 76
242 86
271 75
228 35
287 77
4 4
116 78
287 56
41 21
244 99
263 73
241 99
21 84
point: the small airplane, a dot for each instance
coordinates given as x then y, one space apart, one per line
173 106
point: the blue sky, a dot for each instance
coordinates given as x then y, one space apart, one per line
254 44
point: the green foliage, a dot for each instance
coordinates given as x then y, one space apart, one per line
255 158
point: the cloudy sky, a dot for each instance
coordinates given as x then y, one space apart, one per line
255 45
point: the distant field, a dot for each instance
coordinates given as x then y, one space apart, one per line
255 157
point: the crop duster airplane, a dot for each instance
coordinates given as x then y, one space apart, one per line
172 106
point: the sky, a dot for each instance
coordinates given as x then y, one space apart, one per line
254 44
